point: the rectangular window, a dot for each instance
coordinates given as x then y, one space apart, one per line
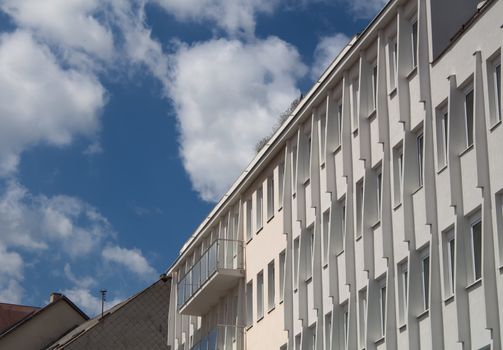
281 184
294 169
309 251
393 62
296 251
469 118
449 253
282 261
398 173
249 303
259 205
249 229
420 158
323 128
345 322
476 233
359 207
414 43
312 333
354 103
328 331
442 136
260 295
382 306
374 87
271 291
378 192
339 122
403 283
326 235
497 89
425 265
270 197
362 312
298 342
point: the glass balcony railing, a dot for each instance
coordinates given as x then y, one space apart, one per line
222 338
223 255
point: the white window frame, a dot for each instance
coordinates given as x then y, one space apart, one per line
373 88
345 324
249 220
359 193
296 259
420 157
270 197
328 330
403 284
414 35
398 173
323 129
281 184
495 87
378 171
392 63
355 90
425 277
362 315
382 305
475 220
260 295
442 135
310 252
271 288
282 274
449 261
249 303
325 219
339 120
259 206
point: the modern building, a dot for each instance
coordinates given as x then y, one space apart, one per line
373 217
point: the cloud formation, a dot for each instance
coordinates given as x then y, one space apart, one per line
326 51
227 95
88 301
132 259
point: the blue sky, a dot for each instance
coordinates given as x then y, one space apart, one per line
122 122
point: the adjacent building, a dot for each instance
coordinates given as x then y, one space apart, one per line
373 218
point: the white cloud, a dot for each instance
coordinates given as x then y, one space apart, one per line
227 96
326 51
36 222
81 282
234 16
11 273
132 259
363 9
71 25
88 301
39 101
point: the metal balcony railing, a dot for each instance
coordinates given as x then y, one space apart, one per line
222 338
221 255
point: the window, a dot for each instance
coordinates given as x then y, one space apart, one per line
420 158
398 173
449 254
342 220
359 207
403 282
312 333
282 261
499 224
497 89
378 191
442 135
281 185
354 103
382 305
494 81
270 197
328 331
249 232
339 122
298 342
271 292
323 128
414 43
374 87
476 245
296 251
362 312
307 157
425 273
392 62
260 295
284 347
260 198
309 252
249 303
294 169
326 234
345 323
469 118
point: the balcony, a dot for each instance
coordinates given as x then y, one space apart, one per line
222 338
219 269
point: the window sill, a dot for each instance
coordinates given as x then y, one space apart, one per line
376 225
322 165
467 150
358 237
392 93
294 195
397 206
307 181
423 315
308 280
442 169
412 73
271 309
355 132
260 229
495 126
417 189
260 318
474 285
268 220
340 253
248 327
280 208
249 240
325 266
403 328
281 302
380 341
501 269
449 299
372 114
338 148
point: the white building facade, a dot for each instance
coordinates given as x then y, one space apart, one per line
373 218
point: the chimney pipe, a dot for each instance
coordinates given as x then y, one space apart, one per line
54 297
